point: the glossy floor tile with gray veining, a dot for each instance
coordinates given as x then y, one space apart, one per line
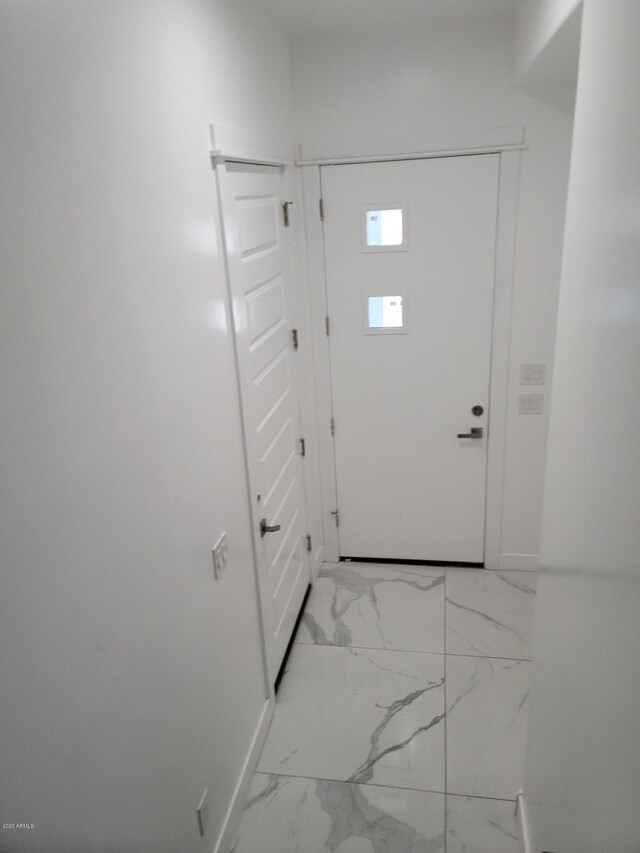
490 613
359 715
315 815
486 724
376 607
476 825
382 744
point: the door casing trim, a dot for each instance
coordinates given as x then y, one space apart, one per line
508 176
436 144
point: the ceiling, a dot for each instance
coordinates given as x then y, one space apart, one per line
299 17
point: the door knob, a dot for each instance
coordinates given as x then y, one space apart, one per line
266 528
476 432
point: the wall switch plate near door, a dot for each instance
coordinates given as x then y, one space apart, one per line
532 374
220 556
530 404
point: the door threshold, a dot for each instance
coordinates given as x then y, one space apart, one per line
281 671
396 562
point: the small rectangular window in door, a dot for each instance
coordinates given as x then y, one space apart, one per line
384 228
385 315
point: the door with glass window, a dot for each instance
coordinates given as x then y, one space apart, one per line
410 248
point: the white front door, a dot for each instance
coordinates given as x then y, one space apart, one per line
410 249
257 258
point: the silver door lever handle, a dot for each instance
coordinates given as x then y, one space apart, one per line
266 528
476 432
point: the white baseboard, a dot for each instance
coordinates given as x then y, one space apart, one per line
524 825
520 562
232 817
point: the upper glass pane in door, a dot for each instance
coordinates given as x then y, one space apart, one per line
384 228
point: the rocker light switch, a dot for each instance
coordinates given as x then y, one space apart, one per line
530 404
532 374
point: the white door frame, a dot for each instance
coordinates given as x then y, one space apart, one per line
508 146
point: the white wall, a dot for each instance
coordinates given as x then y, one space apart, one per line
547 50
538 22
420 81
129 679
583 760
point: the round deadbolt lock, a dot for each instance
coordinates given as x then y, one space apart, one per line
477 411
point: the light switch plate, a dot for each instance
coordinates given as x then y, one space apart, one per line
532 374
220 556
530 404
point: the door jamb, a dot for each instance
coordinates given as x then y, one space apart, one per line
317 288
500 353
508 178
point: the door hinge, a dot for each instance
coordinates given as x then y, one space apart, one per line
327 326
294 335
336 515
303 447
285 210
333 426
321 206
308 538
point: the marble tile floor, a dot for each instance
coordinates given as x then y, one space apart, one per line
400 721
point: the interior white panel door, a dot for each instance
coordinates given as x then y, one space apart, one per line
408 486
257 258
